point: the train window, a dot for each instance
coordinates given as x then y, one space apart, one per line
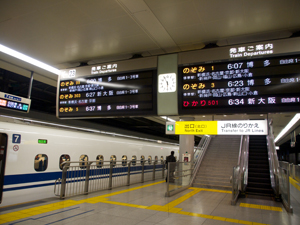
124 160
142 159
156 159
84 159
133 160
99 160
162 160
149 159
40 162
113 159
176 158
62 159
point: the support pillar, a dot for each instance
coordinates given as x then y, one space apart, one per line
186 142
186 146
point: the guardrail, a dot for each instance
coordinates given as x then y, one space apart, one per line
182 174
83 177
240 171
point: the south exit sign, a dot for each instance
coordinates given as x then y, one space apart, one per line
224 127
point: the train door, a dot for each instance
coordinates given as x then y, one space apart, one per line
3 144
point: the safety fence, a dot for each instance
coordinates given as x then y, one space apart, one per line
287 171
181 175
80 177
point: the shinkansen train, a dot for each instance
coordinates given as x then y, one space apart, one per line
31 154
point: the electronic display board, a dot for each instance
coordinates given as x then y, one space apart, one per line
14 102
96 95
252 85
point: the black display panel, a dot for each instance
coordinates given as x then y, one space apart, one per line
253 85
126 94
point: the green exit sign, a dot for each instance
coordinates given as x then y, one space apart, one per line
170 127
42 141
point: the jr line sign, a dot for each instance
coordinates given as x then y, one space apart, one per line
224 127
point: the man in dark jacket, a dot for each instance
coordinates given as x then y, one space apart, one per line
171 167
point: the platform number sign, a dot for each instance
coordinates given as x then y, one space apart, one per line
16 138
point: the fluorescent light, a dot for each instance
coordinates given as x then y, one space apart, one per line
287 127
28 59
167 118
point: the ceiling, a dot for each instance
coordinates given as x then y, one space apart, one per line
69 33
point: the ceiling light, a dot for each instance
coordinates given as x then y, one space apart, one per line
28 59
288 127
167 118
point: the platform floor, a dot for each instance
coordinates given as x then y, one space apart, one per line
145 204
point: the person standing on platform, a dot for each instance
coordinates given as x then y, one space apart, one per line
171 168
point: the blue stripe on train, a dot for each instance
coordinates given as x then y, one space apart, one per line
52 176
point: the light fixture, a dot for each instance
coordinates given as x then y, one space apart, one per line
288 127
167 118
28 59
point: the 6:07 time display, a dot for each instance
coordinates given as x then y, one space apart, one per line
253 85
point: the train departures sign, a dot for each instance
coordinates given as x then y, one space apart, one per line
224 127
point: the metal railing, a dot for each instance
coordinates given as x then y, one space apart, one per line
294 172
181 175
240 172
284 185
273 161
80 177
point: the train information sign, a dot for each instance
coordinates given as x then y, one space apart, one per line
122 94
223 127
14 102
253 85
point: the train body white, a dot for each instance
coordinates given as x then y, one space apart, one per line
22 150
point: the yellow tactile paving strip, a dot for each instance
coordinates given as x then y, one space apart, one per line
294 183
264 207
170 207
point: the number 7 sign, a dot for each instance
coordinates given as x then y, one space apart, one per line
16 138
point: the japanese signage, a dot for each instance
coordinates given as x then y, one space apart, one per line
14 102
224 127
251 50
106 95
261 85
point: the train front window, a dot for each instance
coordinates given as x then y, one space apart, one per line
40 162
62 159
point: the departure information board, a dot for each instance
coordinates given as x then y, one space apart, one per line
122 94
14 102
253 85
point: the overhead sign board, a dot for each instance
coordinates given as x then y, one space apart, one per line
99 95
252 85
14 102
125 88
224 127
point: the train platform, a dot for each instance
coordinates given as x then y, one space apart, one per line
146 204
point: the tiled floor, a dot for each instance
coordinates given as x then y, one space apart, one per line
145 204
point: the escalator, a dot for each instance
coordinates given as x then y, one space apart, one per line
259 182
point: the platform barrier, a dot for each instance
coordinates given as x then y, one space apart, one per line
80 177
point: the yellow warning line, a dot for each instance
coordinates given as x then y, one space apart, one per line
264 207
295 183
170 207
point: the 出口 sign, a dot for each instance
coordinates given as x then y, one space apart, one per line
224 127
